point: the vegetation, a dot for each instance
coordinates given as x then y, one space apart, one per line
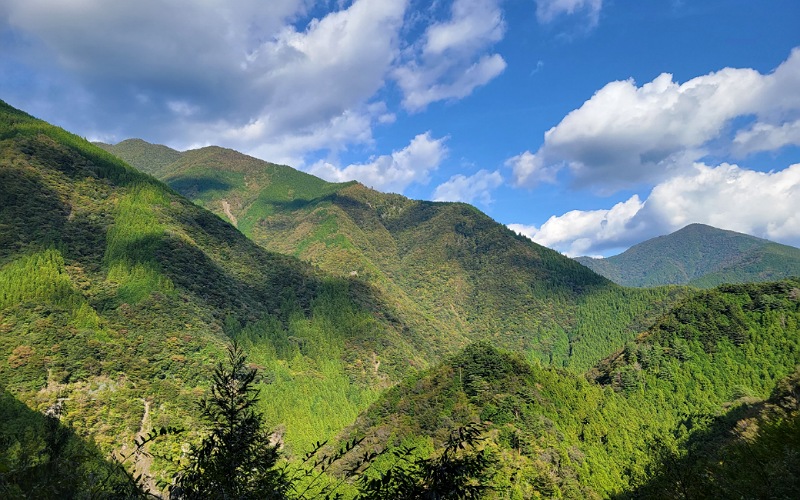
411 319
701 256
41 458
455 275
657 416
236 459
749 452
116 293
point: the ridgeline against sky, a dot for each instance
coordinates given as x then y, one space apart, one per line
587 125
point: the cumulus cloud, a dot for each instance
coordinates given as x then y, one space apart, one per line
264 80
453 57
766 137
627 135
394 172
477 187
548 10
764 204
529 169
218 71
582 232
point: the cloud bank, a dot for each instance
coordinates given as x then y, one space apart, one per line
764 204
285 82
626 136
394 172
657 137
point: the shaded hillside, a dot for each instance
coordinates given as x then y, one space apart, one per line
749 452
117 294
699 255
41 458
454 273
645 417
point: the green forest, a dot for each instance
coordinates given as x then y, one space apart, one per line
232 328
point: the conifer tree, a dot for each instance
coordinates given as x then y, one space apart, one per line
235 459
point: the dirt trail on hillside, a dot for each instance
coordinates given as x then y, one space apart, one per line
143 461
226 207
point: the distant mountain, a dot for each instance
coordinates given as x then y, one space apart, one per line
699 255
453 272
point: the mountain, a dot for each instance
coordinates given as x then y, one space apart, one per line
457 275
117 295
701 256
693 405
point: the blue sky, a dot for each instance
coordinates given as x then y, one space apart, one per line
588 125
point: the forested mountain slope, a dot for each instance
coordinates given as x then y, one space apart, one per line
699 255
117 294
676 411
445 263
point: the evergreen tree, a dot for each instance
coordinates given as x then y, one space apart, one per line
461 472
236 459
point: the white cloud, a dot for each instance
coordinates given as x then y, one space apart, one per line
469 189
394 172
290 147
529 169
766 137
453 58
586 232
548 10
627 135
726 196
336 63
237 73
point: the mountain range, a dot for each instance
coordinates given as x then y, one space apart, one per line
447 265
699 255
367 314
116 291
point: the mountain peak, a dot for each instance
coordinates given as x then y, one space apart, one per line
700 255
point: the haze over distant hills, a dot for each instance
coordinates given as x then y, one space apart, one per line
699 255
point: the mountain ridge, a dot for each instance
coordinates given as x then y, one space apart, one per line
699 255
715 378
117 294
446 262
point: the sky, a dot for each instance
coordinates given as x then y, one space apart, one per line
587 125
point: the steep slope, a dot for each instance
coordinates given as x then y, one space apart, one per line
749 452
707 366
723 344
551 432
452 272
41 458
699 255
649 417
117 294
